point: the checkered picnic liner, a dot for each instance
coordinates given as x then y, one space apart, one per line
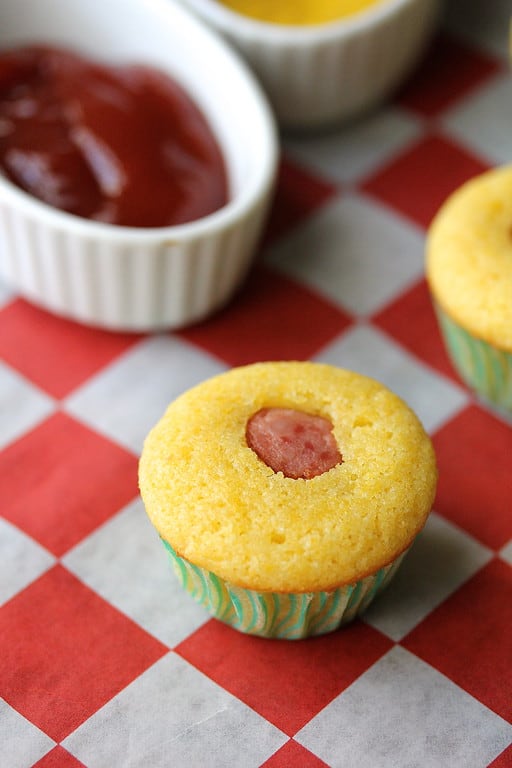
105 660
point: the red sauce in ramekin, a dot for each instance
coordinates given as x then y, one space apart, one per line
123 145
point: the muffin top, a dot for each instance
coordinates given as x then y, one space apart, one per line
469 257
220 506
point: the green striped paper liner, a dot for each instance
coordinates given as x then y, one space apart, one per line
288 616
484 368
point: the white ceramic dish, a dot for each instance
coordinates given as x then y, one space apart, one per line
142 279
316 75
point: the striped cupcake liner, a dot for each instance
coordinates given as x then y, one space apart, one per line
484 368
288 616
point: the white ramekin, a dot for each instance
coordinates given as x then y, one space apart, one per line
316 75
126 278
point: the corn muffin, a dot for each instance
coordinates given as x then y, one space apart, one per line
469 271
297 550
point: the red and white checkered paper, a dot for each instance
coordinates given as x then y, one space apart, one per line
104 661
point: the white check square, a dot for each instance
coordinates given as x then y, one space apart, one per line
348 154
442 558
173 715
403 713
22 560
22 405
470 122
125 562
21 743
129 396
353 252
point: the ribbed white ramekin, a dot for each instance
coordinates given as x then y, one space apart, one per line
316 75
143 279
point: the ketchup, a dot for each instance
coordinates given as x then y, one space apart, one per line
119 144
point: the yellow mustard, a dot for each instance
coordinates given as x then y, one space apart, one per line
299 12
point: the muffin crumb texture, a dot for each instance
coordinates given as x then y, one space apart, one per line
220 507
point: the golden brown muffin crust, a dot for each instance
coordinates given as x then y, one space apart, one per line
222 508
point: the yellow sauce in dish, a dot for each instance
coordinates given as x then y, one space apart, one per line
299 12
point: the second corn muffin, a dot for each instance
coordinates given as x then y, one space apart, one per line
469 271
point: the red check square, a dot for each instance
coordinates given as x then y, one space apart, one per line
54 353
475 482
287 682
66 652
468 637
418 181
273 318
58 757
292 755
62 480
449 71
